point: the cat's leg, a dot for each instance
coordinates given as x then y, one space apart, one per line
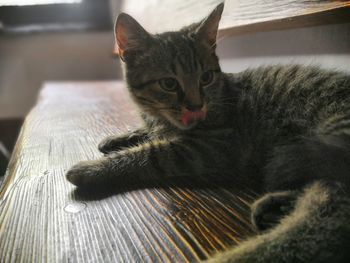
117 142
322 157
151 160
267 211
317 230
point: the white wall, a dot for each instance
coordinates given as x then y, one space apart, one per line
26 61
327 46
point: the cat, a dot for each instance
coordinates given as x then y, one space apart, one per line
286 127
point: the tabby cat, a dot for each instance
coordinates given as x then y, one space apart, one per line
287 127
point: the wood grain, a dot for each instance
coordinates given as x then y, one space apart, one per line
239 16
43 218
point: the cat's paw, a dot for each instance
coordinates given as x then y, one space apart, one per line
271 208
86 174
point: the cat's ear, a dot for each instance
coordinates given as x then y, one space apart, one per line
129 35
208 28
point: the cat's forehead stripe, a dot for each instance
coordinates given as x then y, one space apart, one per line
182 50
187 60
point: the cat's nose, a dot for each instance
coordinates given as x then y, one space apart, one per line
194 107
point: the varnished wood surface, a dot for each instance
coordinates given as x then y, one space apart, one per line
44 219
239 16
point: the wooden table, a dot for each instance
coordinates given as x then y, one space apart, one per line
44 218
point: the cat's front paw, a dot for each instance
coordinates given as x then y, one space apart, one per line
86 174
271 208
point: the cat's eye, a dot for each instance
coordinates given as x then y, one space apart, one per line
207 78
169 84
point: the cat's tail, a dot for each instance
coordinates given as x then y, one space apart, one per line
318 230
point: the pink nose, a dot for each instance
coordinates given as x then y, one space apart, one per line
190 117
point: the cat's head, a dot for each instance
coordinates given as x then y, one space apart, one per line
174 75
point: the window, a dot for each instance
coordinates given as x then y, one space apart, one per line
54 15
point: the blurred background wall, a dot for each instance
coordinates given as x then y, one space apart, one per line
327 46
28 57
27 61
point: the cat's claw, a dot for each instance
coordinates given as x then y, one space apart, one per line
271 208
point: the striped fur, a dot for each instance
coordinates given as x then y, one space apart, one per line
286 127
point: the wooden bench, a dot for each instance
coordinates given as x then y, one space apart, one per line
44 218
239 16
